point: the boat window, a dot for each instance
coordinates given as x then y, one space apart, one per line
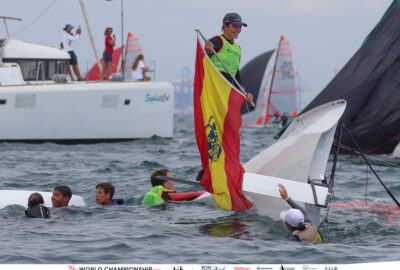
40 69
30 70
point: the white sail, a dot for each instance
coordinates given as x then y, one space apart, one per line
133 49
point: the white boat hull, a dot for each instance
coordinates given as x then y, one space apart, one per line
301 154
396 152
20 197
263 192
86 111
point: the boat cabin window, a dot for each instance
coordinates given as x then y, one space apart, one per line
40 69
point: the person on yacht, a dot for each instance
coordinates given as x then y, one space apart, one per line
297 221
104 195
68 37
139 69
163 190
108 52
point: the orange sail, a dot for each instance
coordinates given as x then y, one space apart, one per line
94 72
133 49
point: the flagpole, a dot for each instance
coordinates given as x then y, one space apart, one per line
226 68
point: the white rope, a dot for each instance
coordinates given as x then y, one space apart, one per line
35 20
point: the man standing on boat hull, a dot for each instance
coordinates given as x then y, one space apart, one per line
228 50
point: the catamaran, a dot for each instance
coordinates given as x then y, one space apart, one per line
38 104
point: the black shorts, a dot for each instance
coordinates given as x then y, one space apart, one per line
107 56
74 60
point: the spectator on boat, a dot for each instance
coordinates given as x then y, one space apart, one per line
104 195
36 207
108 51
227 49
297 221
139 69
68 37
163 190
61 196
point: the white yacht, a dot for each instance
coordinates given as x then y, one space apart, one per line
38 104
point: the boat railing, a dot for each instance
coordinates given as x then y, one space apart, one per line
152 69
61 67
39 66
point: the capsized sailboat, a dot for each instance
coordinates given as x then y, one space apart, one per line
298 161
369 82
279 96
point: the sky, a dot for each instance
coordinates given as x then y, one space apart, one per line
324 34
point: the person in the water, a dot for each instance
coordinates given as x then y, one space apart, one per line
61 196
104 195
36 207
297 221
164 190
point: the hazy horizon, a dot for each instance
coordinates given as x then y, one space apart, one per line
324 35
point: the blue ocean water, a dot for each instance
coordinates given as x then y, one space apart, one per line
187 232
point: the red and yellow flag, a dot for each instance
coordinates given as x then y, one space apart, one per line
217 122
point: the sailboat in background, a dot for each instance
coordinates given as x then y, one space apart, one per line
282 96
133 49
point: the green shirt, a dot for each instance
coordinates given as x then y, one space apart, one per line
154 196
230 55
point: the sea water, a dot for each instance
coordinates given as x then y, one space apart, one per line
185 232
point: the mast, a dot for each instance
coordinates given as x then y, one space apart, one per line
90 32
272 81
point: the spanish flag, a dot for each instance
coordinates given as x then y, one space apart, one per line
217 122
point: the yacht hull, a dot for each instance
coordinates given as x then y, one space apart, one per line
86 111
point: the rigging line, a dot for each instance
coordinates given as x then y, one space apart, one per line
366 183
374 158
372 169
36 19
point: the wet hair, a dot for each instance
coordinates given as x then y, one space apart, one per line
108 188
65 191
157 182
136 62
105 31
35 199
